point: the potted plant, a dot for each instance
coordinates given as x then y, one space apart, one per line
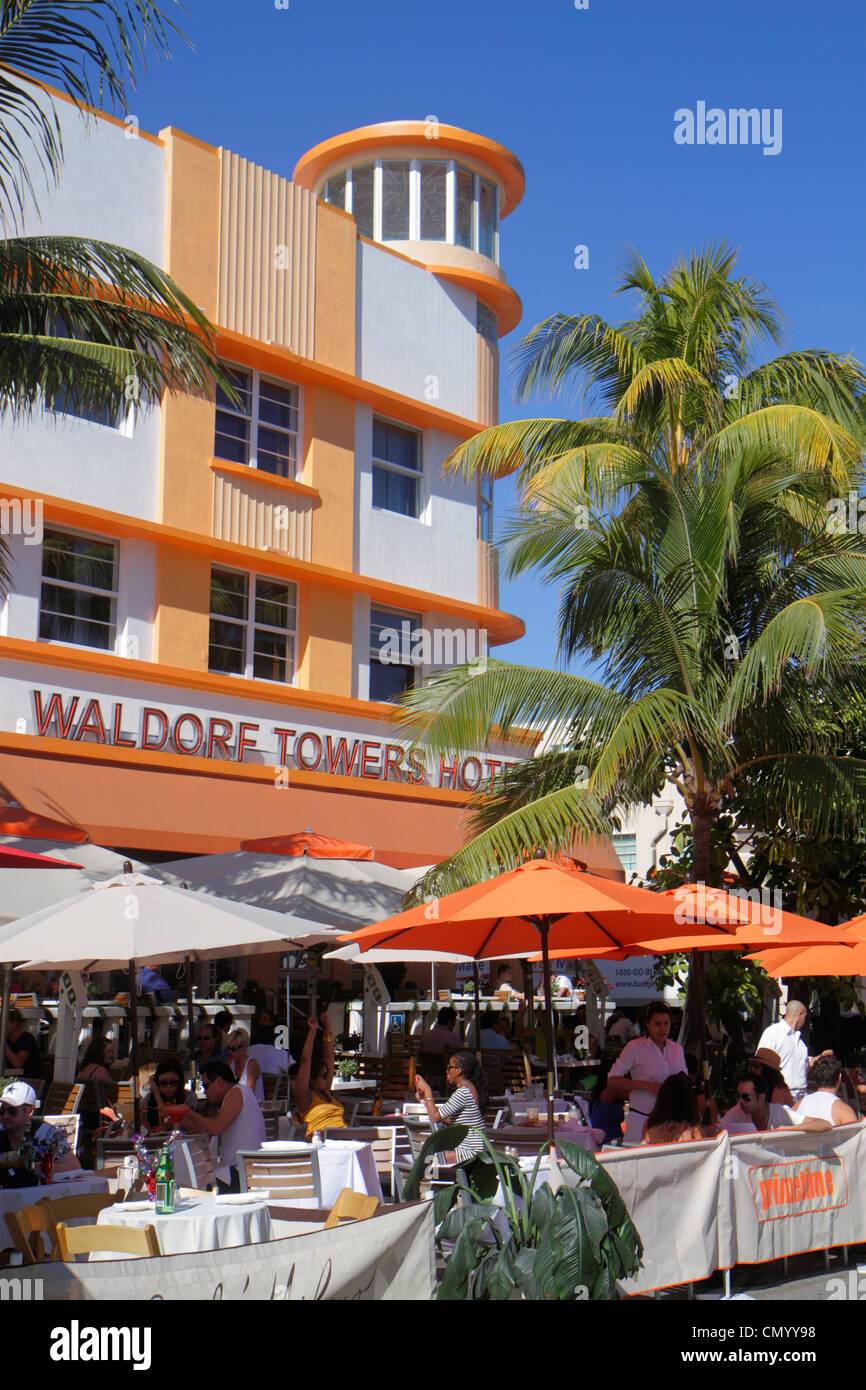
562 1243
347 1068
227 989
349 1042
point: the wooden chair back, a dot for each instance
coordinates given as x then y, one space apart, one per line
370 1068
88 1205
275 1086
272 1116
351 1206
63 1098
199 1159
125 1103
27 1226
398 1077
126 1240
292 1177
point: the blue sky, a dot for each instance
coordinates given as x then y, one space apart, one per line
586 99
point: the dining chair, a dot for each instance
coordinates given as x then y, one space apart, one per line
125 1240
63 1098
199 1160
351 1206
27 1226
289 1176
86 1205
383 1141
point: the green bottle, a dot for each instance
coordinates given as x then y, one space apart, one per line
165 1185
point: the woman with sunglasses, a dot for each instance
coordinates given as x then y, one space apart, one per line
166 1088
464 1072
245 1068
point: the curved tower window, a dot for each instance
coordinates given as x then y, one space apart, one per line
362 198
430 199
434 186
395 200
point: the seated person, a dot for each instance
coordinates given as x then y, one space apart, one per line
245 1067
464 1107
606 1110
768 1063
313 1100
675 1118
495 1031
17 1103
100 1094
823 1103
755 1111
166 1088
151 982
238 1123
224 1022
620 1028
442 1034
504 985
22 1049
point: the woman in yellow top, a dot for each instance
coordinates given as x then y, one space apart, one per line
313 1100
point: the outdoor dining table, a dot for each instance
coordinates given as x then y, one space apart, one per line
572 1132
64 1185
200 1222
342 1163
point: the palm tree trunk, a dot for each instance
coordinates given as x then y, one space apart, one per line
693 1033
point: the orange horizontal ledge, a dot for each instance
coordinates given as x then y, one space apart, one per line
500 627
502 299
259 475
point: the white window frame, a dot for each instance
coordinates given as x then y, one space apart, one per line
252 446
113 593
400 616
250 625
418 474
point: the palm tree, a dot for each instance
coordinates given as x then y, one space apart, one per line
84 325
687 534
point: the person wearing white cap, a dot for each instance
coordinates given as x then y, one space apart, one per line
17 1103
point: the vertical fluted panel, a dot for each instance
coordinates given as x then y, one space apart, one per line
267 256
264 517
486 381
488 575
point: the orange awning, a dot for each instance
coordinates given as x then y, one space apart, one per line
309 843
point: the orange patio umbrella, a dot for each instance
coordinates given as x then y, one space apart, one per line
838 959
559 907
311 844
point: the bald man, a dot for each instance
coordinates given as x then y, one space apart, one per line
784 1038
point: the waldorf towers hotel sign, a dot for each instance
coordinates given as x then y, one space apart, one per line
293 739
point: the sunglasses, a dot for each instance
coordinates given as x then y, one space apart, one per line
11 1110
742 1096
236 1047
169 1081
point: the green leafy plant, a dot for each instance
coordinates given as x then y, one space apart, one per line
347 1069
227 990
562 1244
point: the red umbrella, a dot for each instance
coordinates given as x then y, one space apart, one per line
23 859
540 903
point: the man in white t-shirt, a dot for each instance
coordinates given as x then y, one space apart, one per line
824 1102
784 1038
755 1111
239 1123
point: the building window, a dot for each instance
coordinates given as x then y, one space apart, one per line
397 464
260 428
434 199
434 185
389 679
78 602
253 625
626 849
362 198
485 508
110 417
485 322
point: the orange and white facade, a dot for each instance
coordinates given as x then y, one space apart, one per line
190 651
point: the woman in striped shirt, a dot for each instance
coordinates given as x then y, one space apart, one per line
464 1108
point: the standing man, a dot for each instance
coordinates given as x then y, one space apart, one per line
784 1038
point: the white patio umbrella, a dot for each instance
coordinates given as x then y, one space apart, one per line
135 919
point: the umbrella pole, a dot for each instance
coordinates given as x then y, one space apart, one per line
4 1016
190 1013
133 1047
544 928
477 976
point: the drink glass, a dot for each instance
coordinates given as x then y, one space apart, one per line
532 1114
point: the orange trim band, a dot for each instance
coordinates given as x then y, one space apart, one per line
500 627
29 745
502 299
259 475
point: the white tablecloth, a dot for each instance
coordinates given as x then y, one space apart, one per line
342 1163
199 1223
64 1185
